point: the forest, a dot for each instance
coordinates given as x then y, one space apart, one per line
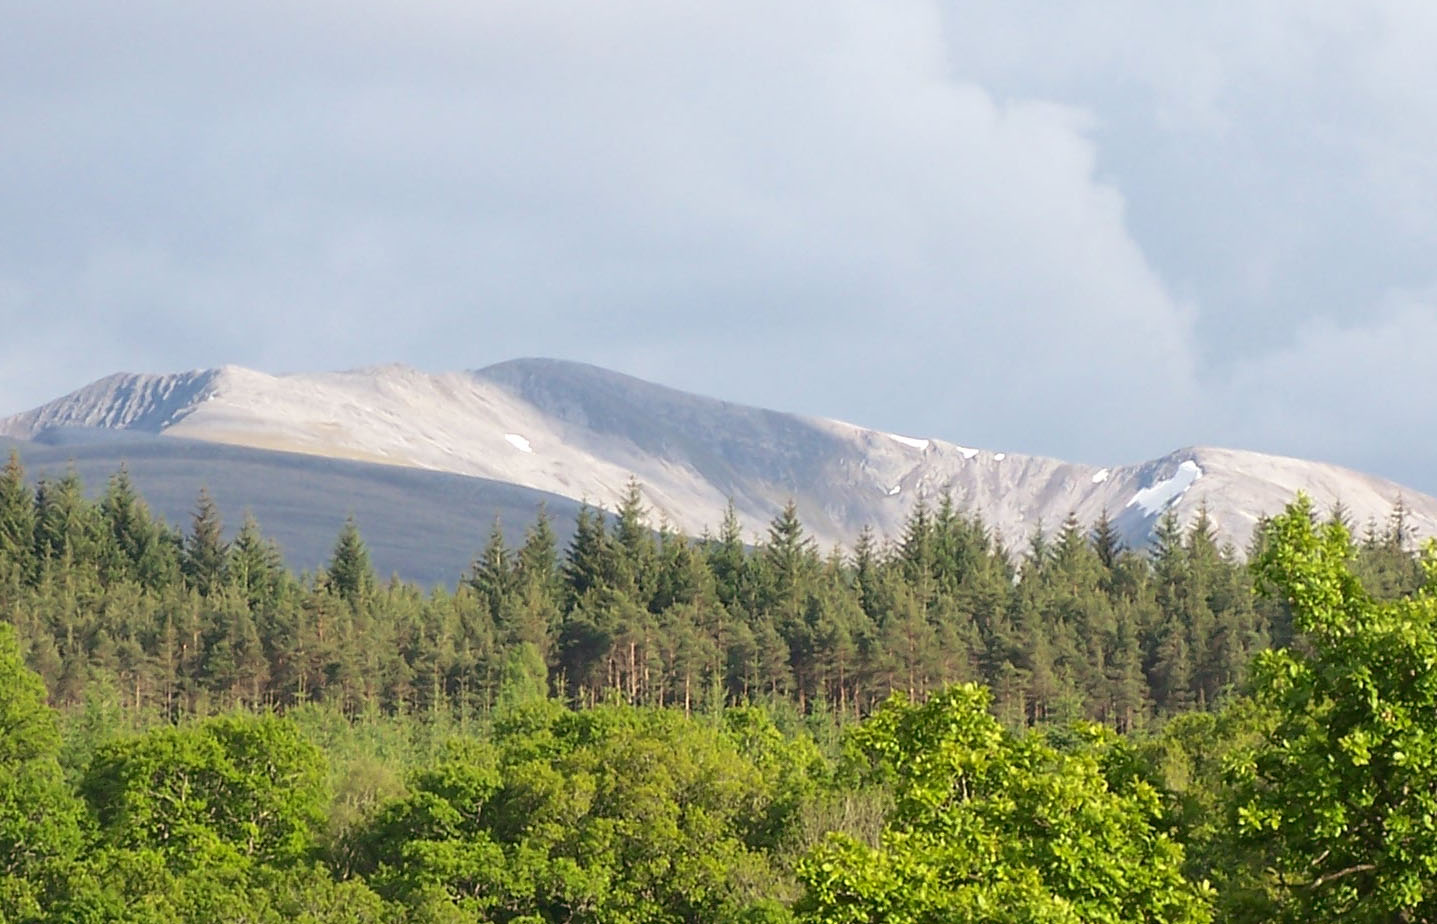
648 727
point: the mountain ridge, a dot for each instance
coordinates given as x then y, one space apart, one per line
581 431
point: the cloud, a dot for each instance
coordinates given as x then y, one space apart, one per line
1083 231
1346 392
643 181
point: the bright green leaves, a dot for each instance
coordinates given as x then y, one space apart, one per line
231 787
992 826
614 814
40 820
1340 798
27 726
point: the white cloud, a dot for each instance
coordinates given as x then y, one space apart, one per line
1346 393
1086 230
641 179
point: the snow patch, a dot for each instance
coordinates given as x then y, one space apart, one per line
1157 496
1101 476
895 489
999 456
920 445
518 442
967 452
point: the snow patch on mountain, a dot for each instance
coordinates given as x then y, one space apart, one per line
1158 496
518 442
918 444
1101 475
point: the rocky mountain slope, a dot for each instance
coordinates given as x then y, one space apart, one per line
581 432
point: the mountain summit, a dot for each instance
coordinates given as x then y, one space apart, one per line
582 432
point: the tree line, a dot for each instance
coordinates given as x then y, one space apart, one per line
1306 792
1075 625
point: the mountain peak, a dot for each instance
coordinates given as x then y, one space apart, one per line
582 432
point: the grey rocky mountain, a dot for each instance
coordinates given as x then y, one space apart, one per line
566 430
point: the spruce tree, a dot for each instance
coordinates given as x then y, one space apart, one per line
537 566
17 518
790 555
205 548
254 566
350 573
584 563
65 521
1106 541
492 575
726 558
634 545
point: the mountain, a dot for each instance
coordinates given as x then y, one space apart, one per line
571 431
424 526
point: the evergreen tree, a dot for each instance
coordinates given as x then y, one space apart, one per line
17 518
537 566
205 548
350 573
1106 542
790 557
634 568
726 558
866 571
492 575
585 561
65 522
254 565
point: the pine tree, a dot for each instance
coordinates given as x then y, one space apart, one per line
255 566
726 558
584 563
17 519
492 574
537 566
350 573
1106 542
205 548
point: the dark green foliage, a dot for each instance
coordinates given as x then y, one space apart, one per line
501 751
205 548
350 573
1085 629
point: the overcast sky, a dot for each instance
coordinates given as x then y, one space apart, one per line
1098 231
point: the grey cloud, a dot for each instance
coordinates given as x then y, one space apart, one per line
1078 233
1350 393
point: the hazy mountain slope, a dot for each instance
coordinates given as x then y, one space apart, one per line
425 526
580 432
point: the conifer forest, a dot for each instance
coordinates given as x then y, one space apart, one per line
641 726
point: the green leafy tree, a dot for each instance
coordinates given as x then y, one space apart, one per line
225 790
991 826
40 820
1341 795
